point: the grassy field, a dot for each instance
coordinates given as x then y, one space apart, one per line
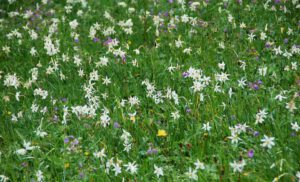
149 90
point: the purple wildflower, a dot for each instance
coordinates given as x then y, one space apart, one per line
254 86
95 39
250 153
116 125
151 151
185 74
24 164
256 133
259 82
108 41
64 99
55 118
188 110
66 140
268 45
75 142
123 58
81 175
233 117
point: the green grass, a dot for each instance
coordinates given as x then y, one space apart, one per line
186 140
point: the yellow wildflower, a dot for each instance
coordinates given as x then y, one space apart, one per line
162 133
67 165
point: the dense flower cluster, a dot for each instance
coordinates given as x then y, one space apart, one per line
150 90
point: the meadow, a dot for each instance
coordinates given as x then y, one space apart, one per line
149 90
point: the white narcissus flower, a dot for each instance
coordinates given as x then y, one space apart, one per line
298 175
198 86
41 92
280 96
39 175
51 48
291 106
27 146
131 167
105 119
21 151
175 115
234 138
263 36
106 80
277 50
101 154
243 25
41 133
295 126
221 65
260 116
117 168
238 166
268 142
206 127
192 174
3 178
73 24
251 37
222 77
158 171
11 80
199 165
133 101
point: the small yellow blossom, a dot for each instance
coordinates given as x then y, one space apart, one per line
132 118
67 165
162 133
246 173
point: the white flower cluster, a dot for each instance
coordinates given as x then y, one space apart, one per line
40 92
126 26
157 95
51 48
260 116
26 147
126 137
238 166
11 80
235 131
105 118
93 30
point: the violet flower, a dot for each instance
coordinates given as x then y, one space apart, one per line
95 39
250 153
185 74
116 125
